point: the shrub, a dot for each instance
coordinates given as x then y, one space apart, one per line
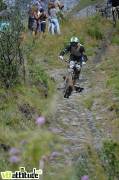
11 57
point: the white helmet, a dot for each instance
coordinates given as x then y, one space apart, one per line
74 40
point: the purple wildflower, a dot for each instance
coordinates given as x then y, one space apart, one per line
84 178
14 151
14 159
40 120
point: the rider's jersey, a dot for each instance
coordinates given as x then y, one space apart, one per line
75 52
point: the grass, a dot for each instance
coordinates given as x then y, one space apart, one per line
32 146
110 158
115 38
113 81
111 67
88 102
87 164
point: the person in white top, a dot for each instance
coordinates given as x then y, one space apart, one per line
54 26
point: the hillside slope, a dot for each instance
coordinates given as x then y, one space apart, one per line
71 142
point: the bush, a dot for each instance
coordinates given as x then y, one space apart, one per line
11 57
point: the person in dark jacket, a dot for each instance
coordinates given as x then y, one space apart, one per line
77 57
42 22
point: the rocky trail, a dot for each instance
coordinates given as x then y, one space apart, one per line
78 125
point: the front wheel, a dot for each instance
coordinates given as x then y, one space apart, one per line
68 85
68 91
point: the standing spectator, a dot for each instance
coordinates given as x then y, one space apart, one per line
36 15
42 22
53 20
31 17
59 6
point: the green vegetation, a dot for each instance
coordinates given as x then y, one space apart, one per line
94 29
110 159
107 160
88 102
95 32
32 147
11 56
115 38
110 65
87 164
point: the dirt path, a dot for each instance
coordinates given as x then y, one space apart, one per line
78 123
